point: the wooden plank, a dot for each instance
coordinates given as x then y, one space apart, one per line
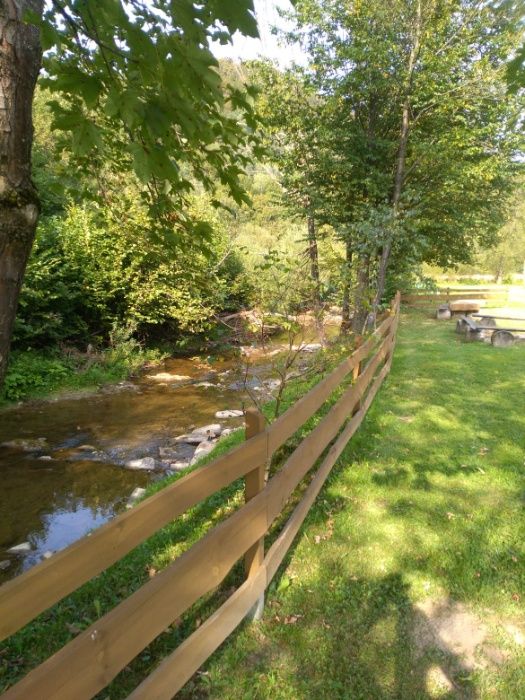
89 662
278 550
93 659
301 460
176 669
287 424
423 298
34 591
254 484
500 318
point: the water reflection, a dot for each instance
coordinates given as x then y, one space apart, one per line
52 497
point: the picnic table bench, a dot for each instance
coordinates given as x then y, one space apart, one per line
461 306
501 337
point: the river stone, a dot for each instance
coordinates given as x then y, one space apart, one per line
45 458
180 465
4 564
48 554
26 444
167 377
204 385
199 434
168 453
211 429
229 413
20 548
311 347
142 463
190 438
203 448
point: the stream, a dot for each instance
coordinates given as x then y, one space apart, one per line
65 463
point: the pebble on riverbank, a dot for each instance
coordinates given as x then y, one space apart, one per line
229 413
146 463
21 548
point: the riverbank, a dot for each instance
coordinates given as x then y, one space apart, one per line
417 536
64 621
62 373
54 374
408 577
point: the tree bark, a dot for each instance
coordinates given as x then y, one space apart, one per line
399 176
362 296
345 310
20 60
313 254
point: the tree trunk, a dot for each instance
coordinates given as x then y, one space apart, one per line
362 298
20 59
313 254
399 176
345 310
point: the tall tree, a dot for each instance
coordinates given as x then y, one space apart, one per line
19 67
137 88
411 81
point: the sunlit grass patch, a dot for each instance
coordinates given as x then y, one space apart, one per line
426 504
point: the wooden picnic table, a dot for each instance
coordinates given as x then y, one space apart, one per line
501 337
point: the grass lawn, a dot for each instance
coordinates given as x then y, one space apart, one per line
408 578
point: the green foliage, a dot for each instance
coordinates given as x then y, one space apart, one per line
97 267
508 256
31 373
463 140
39 373
136 88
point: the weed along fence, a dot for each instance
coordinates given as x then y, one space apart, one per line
446 295
91 660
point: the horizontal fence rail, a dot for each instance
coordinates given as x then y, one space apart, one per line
89 662
447 294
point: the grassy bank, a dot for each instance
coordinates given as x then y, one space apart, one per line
35 374
423 513
54 628
408 579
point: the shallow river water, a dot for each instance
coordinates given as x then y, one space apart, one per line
75 478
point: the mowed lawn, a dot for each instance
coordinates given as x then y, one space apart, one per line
408 578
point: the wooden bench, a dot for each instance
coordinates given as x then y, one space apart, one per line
464 306
501 337
461 306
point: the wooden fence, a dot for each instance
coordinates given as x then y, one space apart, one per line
91 660
444 295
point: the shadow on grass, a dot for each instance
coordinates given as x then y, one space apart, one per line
425 504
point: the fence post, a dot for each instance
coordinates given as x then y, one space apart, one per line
393 329
253 484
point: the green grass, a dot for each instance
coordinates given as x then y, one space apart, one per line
37 374
426 503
